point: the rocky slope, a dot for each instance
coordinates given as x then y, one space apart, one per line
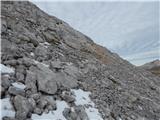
45 62
153 67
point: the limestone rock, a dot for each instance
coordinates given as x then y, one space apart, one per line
16 91
22 106
46 83
5 81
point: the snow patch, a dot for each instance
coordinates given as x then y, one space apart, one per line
6 108
53 115
19 85
82 98
4 69
32 54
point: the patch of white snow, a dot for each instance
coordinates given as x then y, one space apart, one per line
4 69
82 98
6 108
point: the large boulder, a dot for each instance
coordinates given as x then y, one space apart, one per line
5 81
22 106
16 91
48 81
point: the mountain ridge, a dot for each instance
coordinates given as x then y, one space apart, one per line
50 58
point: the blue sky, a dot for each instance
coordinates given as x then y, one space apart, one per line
130 29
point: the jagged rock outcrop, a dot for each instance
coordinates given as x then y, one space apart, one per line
50 57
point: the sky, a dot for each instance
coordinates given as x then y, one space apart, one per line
130 29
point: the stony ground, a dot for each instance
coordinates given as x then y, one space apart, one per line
44 59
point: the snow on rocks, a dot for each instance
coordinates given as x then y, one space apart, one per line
82 98
32 54
53 115
19 85
17 88
6 108
4 69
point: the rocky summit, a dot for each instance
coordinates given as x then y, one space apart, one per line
50 71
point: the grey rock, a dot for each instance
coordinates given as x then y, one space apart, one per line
37 111
81 113
3 25
32 102
21 115
78 113
66 80
66 96
5 81
48 80
20 77
51 37
66 114
47 103
35 96
72 71
27 62
51 103
31 82
34 41
49 99
42 103
46 83
11 62
16 91
23 38
2 91
41 51
20 73
22 106
57 65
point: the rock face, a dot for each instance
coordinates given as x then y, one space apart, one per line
50 57
22 106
